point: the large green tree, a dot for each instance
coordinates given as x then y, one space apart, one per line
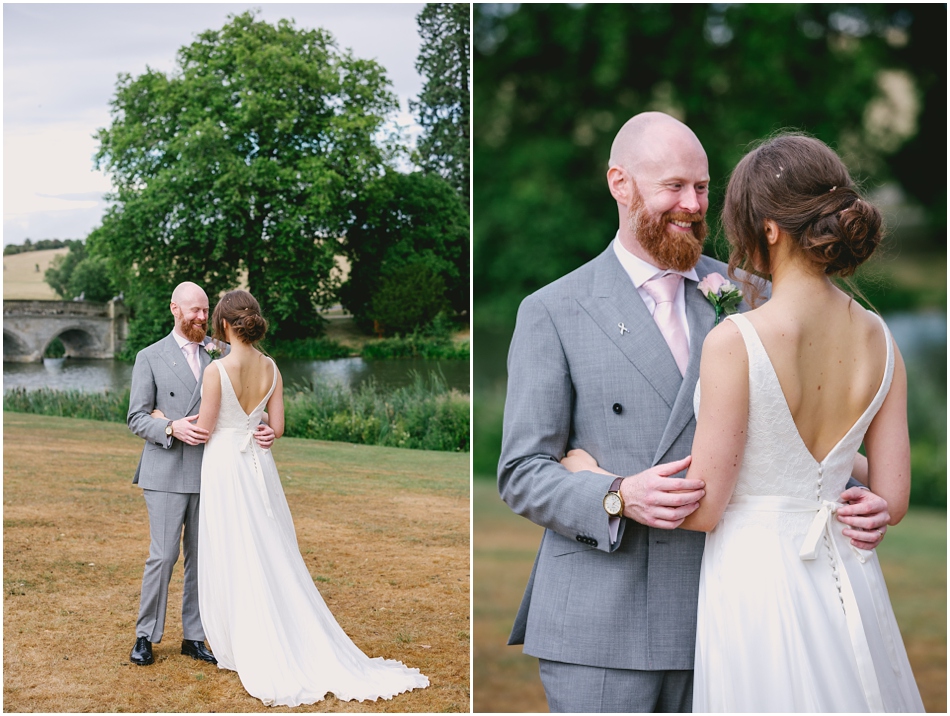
443 104
244 159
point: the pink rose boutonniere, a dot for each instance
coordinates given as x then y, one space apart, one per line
213 351
724 296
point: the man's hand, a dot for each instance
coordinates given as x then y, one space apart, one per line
865 516
653 498
264 436
184 430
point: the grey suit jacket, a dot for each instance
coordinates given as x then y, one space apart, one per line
162 379
575 379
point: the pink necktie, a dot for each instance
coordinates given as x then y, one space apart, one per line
662 289
191 352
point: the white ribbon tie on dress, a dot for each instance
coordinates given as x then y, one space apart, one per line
821 527
247 444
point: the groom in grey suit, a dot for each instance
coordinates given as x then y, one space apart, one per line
610 607
164 402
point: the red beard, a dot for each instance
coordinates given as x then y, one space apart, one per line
677 250
194 332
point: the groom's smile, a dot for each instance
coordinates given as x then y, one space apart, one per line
674 238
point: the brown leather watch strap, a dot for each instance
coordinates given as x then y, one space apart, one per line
615 485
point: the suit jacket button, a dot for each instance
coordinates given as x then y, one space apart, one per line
172 394
618 408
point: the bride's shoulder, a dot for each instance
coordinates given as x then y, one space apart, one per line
725 342
212 371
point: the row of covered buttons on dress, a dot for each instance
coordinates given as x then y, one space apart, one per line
828 548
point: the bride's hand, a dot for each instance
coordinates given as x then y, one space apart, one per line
577 460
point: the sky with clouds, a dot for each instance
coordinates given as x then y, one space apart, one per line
60 63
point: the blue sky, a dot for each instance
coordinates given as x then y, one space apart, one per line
60 63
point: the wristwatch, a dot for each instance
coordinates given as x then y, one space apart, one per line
613 501
168 429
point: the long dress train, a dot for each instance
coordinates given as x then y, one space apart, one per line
260 609
792 617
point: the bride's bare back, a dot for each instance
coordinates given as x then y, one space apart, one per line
251 377
829 356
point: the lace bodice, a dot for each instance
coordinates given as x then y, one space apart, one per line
776 460
231 415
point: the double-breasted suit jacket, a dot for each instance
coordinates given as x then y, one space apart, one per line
589 368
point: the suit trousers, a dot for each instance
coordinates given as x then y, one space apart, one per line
168 513
575 688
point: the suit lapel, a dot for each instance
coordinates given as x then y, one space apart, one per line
614 302
175 358
204 360
701 317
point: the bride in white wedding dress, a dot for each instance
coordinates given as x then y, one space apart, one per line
260 609
792 617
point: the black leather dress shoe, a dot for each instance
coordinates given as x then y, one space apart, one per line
197 650
142 652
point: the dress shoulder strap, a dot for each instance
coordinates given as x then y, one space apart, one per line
273 364
888 366
750 337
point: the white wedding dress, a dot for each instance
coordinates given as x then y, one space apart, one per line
792 617
262 614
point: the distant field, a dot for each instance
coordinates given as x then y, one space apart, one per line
913 557
22 281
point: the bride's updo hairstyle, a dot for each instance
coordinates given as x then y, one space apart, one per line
803 186
243 314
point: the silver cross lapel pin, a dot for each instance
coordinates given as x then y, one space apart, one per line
623 328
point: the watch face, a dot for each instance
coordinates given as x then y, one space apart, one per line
612 504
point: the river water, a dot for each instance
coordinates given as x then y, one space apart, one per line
94 376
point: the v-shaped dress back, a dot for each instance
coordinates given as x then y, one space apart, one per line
262 614
791 616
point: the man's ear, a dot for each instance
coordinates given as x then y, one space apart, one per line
619 183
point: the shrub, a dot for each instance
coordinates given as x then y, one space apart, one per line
424 415
108 406
409 298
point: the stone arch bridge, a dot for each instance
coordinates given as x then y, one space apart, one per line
87 329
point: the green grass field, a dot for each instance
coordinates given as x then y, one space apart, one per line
913 557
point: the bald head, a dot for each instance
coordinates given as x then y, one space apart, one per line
188 292
659 176
649 139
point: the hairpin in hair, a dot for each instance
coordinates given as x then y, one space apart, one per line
832 189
